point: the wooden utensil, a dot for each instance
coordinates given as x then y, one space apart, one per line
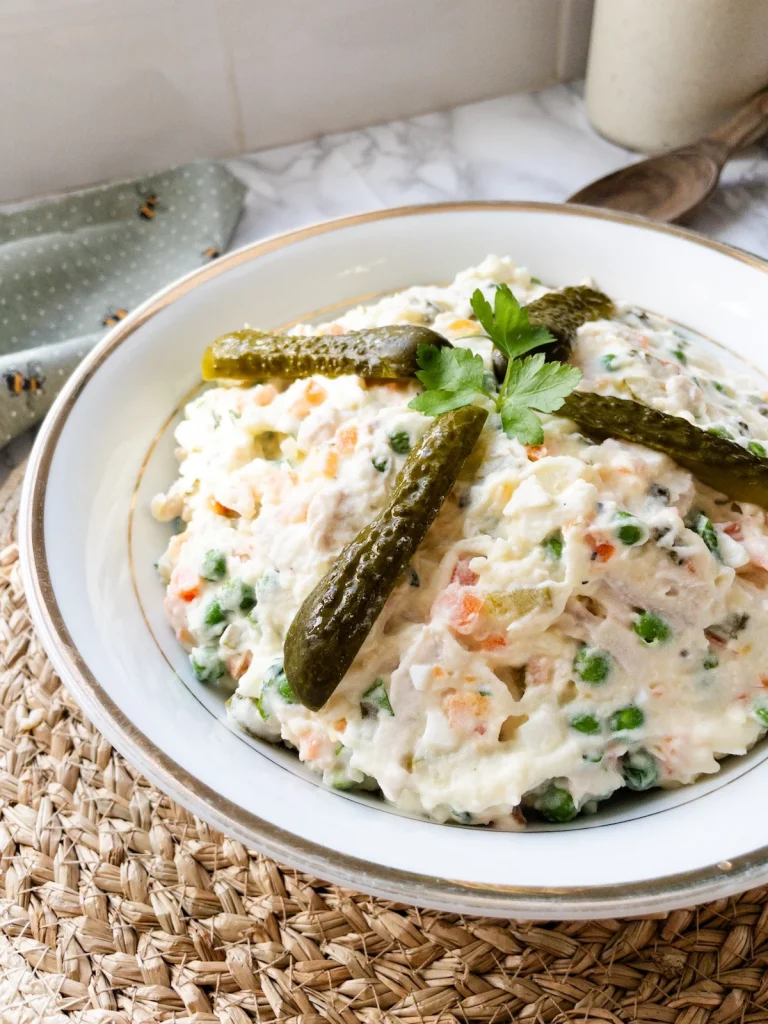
674 185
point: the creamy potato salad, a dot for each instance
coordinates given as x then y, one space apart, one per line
581 617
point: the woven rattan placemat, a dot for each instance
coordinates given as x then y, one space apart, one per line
118 905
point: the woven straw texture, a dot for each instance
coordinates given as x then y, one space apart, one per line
116 905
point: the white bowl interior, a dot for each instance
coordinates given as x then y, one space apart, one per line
110 600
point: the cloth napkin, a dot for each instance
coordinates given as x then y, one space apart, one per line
72 268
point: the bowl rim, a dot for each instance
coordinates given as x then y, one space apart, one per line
713 882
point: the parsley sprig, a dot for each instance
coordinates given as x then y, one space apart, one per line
453 377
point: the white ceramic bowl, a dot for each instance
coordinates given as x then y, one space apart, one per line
88 544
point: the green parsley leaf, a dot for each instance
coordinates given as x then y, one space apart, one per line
508 324
532 383
451 378
536 384
521 423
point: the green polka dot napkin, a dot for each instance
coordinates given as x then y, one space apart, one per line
72 268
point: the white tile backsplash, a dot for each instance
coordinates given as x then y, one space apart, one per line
346 63
101 89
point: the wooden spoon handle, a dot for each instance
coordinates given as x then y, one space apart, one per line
745 127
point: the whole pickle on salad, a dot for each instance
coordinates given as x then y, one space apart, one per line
334 620
380 353
717 461
562 313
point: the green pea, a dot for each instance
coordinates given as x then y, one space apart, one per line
593 756
206 664
553 546
761 714
376 699
608 362
651 628
556 804
702 525
756 448
711 661
680 356
640 769
720 432
275 683
400 442
585 723
379 463
214 566
592 665
237 595
627 718
214 614
629 532
178 525
338 780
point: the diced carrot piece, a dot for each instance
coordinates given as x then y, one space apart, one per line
465 612
459 606
463 709
186 583
346 439
463 575
734 530
238 664
536 452
222 510
602 549
764 680
331 463
340 724
493 642
265 395
309 747
315 393
335 329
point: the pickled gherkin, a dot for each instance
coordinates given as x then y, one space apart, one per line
562 313
723 464
380 353
334 620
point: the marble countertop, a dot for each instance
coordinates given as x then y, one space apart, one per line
533 146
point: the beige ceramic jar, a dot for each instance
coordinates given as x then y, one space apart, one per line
662 73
